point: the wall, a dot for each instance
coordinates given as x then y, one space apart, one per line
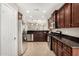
69 31
37 25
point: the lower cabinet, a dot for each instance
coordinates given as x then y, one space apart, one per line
67 51
40 36
62 49
56 45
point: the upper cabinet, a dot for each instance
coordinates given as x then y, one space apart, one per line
61 18
67 9
54 18
58 21
67 16
75 15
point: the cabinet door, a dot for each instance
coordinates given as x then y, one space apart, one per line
40 36
53 44
58 22
66 53
56 46
60 48
67 50
75 14
61 17
67 8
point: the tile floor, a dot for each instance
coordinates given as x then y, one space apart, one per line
38 49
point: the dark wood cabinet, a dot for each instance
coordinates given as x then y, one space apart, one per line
60 47
67 16
75 15
40 36
63 49
61 18
49 23
58 21
52 21
67 50
54 18
67 13
56 45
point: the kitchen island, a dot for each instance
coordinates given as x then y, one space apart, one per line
38 35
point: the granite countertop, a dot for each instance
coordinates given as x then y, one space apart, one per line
37 30
67 42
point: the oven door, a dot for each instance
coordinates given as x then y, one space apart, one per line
49 42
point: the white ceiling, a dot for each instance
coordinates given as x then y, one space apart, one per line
39 11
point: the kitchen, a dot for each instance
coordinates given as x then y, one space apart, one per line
63 31
39 29
65 35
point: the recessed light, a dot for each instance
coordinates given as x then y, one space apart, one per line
44 11
28 11
42 16
36 9
31 16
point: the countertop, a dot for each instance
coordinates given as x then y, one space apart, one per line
67 42
37 30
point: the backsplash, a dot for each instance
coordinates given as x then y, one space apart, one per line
69 31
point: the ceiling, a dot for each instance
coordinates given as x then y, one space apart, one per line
39 11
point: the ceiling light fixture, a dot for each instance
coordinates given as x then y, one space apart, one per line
36 9
28 11
31 16
44 11
42 16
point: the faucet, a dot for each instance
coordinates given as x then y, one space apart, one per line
60 32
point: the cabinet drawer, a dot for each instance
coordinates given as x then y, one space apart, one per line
67 48
66 54
59 43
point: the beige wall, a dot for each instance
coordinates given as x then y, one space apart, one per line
37 25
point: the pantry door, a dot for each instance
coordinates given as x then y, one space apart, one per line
8 30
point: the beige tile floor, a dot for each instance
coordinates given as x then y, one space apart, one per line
38 49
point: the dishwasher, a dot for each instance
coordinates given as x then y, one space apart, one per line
49 41
29 37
